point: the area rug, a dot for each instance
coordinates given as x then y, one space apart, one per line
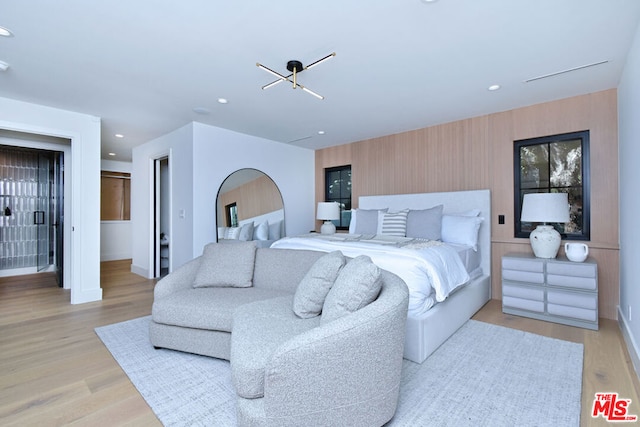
484 375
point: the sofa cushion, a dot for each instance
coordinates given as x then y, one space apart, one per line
259 329
357 285
226 265
210 308
314 286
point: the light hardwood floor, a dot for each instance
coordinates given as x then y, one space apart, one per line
54 370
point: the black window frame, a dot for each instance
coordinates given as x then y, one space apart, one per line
341 199
519 192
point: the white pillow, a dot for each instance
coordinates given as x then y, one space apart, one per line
462 230
232 233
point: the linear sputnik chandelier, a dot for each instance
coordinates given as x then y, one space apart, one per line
295 67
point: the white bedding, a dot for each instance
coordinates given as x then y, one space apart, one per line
431 270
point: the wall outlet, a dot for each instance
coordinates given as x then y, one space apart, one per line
500 219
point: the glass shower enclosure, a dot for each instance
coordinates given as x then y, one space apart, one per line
30 207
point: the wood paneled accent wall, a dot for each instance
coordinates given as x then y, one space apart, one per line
257 197
477 153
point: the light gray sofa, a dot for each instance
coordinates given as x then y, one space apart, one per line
336 368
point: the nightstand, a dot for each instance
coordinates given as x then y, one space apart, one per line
555 290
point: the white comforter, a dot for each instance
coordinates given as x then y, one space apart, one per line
431 270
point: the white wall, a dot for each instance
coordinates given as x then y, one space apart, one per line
82 170
115 236
201 158
629 152
178 147
220 152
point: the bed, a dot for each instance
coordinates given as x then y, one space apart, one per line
454 295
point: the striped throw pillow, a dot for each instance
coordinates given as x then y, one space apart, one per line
393 224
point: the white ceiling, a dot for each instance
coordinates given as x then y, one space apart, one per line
144 65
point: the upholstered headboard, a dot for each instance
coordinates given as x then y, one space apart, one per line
453 202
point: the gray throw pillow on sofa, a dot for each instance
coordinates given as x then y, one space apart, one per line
314 286
226 265
357 285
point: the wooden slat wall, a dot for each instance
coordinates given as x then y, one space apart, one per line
478 153
254 198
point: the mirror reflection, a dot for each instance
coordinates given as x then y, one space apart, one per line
249 207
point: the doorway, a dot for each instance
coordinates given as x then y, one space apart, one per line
31 196
162 217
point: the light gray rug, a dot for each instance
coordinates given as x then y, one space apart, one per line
484 375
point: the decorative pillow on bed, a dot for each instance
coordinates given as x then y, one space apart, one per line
275 230
232 233
315 285
425 223
392 223
357 285
226 265
246 232
261 232
461 230
364 221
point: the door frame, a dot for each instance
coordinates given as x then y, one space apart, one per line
154 212
38 144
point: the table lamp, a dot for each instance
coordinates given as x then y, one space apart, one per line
545 207
328 211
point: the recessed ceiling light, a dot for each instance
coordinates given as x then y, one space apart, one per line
223 100
119 135
5 32
112 154
320 132
428 1
3 66
201 110
493 87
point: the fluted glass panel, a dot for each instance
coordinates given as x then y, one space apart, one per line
19 200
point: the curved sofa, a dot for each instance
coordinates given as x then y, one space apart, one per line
287 370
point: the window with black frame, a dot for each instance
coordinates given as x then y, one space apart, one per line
338 189
554 164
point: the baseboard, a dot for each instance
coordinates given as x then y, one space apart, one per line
115 256
632 346
140 271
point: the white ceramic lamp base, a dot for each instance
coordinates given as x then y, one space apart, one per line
545 241
328 228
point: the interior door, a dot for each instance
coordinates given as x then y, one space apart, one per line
41 215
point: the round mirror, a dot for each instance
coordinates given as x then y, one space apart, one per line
249 207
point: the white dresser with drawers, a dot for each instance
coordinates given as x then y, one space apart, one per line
556 290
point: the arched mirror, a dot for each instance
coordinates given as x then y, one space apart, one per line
249 207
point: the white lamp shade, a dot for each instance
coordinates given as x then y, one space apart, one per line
328 211
545 207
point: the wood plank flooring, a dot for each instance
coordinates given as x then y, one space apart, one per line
55 371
